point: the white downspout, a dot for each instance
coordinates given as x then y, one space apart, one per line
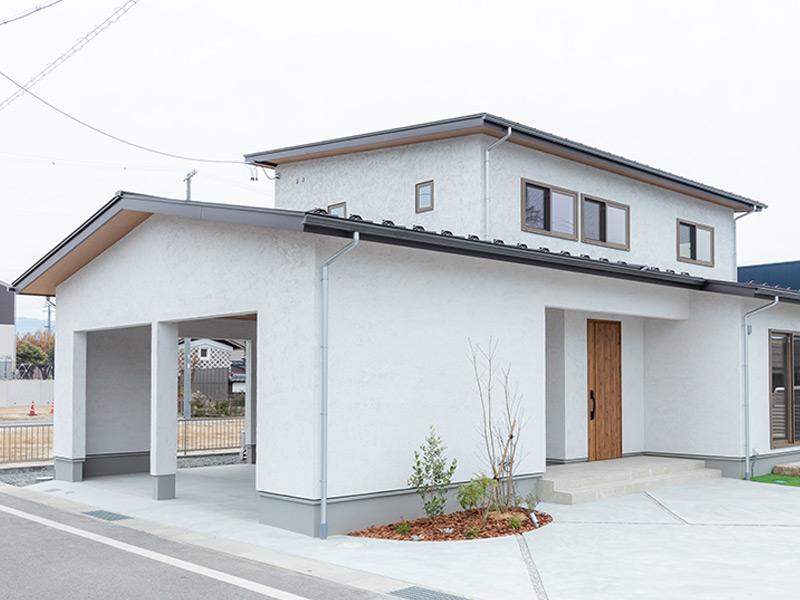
486 184
323 479
736 241
747 331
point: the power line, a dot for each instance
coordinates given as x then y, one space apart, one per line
24 90
29 12
115 16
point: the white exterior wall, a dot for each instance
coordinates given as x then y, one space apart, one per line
653 211
567 432
400 324
160 272
785 317
379 184
693 379
118 391
8 342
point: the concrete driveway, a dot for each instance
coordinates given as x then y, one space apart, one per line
721 538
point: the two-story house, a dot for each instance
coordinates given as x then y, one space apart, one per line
609 287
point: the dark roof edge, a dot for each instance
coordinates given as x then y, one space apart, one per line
429 240
229 213
498 123
549 138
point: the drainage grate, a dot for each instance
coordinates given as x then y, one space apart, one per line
418 593
106 515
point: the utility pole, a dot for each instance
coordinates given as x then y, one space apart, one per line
50 306
188 181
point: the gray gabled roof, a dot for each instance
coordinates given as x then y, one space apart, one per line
521 134
128 210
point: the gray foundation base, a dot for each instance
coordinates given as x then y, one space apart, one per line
163 487
351 513
118 463
68 469
733 466
251 454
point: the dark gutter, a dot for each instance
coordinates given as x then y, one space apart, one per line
428 240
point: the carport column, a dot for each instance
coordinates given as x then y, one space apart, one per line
163 409
69 440
250 401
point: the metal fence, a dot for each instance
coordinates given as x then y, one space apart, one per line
33 442
212 434
26 442
26 370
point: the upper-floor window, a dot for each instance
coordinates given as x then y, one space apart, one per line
338 210
606 223
549 210
423 195
695 243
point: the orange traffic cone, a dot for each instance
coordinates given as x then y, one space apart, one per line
33 411
53 406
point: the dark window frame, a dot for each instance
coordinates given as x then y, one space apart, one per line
694 227
548 209
604 203
792 436
416 197
337 205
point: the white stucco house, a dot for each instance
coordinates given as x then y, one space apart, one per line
610 286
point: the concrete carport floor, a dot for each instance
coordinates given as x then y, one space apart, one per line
721 538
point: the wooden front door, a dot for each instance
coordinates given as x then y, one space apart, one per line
604 350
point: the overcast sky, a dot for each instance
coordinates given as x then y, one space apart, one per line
704 89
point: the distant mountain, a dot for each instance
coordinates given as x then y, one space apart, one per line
27 325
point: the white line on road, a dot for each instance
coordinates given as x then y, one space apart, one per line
163 558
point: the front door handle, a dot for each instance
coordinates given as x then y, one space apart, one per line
591 395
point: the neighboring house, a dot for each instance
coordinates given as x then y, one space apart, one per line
212 367
610 287
783 274
8 337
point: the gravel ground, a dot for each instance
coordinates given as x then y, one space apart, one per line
22 476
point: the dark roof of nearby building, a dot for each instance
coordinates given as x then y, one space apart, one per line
521 134
783 274
128 210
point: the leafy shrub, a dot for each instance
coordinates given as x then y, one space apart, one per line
514 522
402 526
430 474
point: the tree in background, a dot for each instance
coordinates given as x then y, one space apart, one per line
28 353
43 340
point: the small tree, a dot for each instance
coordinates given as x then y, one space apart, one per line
431 475
28 353
499 432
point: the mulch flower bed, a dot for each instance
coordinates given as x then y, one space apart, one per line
437 529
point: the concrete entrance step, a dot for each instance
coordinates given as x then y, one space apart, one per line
589 481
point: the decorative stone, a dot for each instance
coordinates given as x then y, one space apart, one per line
792 469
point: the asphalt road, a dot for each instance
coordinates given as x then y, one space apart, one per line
50 554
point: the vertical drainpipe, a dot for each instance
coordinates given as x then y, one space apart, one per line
747 330
323 413
486 184
736 241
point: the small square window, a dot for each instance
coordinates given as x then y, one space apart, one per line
203 352
606 223
424 196
695 243
338 210
548 210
